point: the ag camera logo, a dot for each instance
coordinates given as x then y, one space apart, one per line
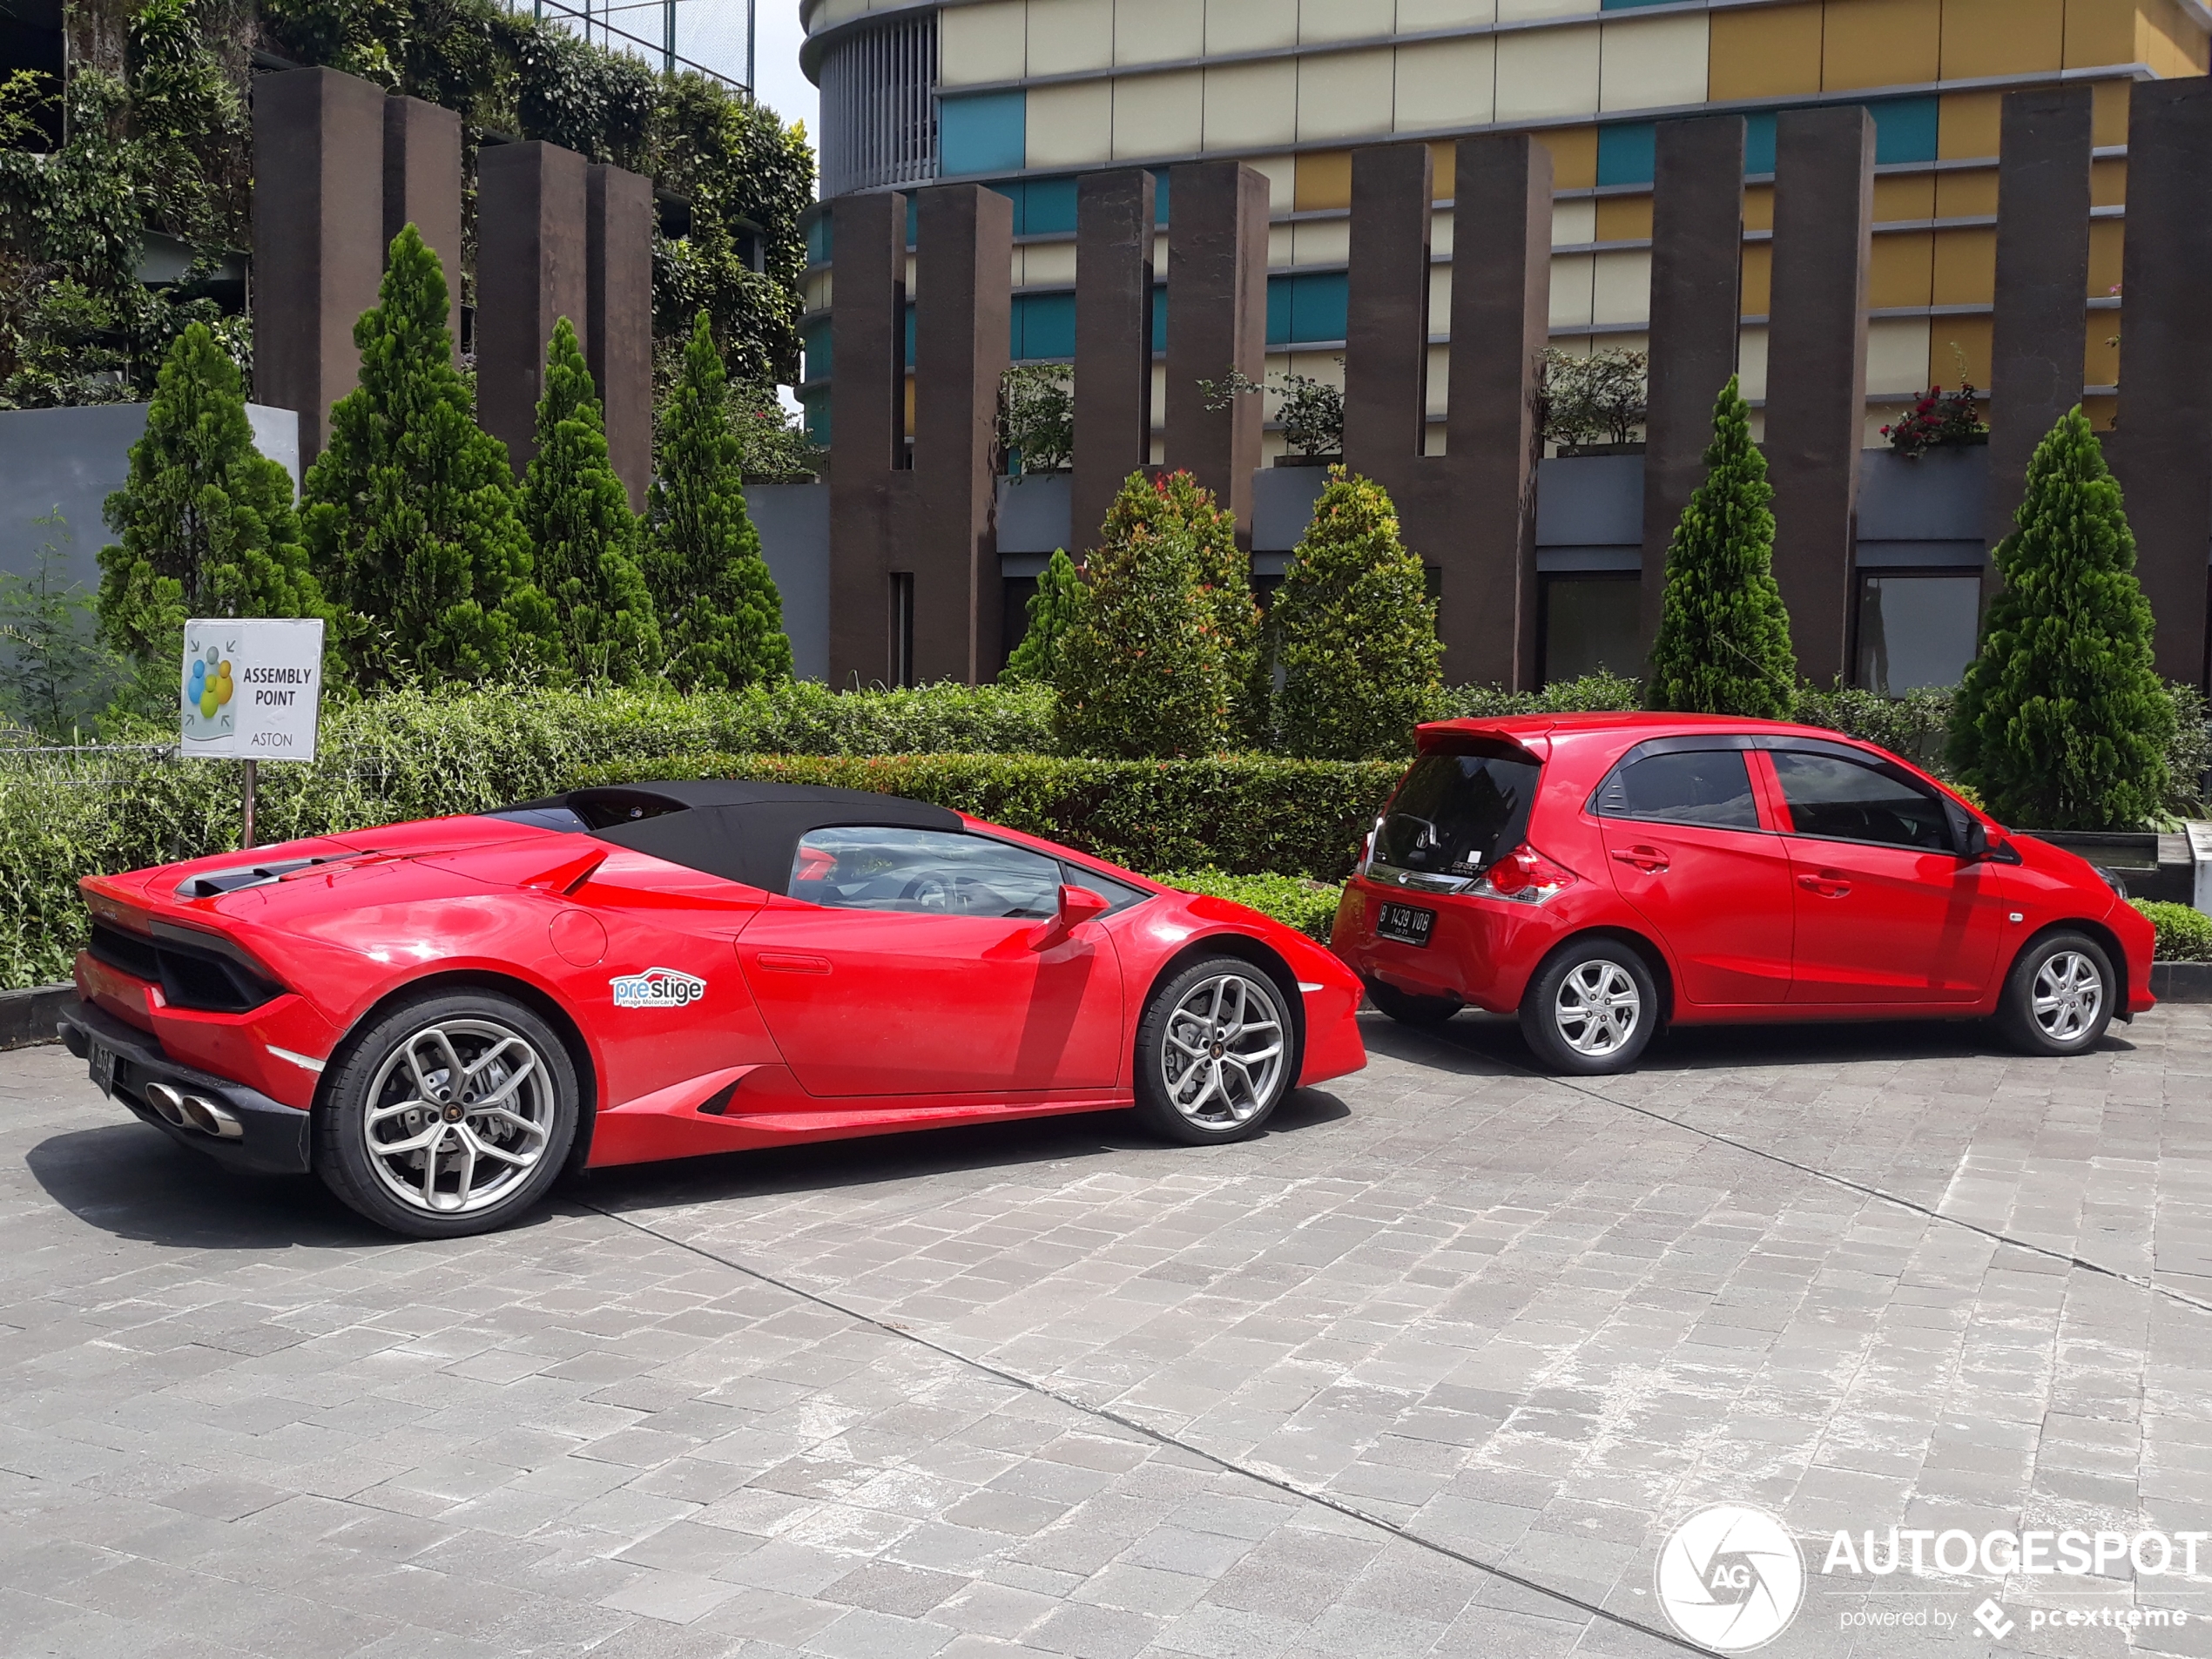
1730 1578
656 988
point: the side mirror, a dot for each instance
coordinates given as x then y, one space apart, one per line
1077 906
1976 847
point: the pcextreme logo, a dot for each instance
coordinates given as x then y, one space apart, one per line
656 988
1730 1578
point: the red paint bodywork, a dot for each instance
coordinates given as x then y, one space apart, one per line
1750 926
828 1022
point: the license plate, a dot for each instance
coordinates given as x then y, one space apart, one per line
1406 924
102 1062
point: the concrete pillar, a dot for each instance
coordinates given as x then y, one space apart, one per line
317 248
1696 302
1815 407
1115 226
1386 363
2165 449
867 404
1501 324
948 533
531 246
618 306
2041 330
1217 323
422 187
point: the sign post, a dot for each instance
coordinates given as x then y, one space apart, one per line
251 691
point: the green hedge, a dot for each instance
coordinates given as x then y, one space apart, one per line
1295 901
2184 935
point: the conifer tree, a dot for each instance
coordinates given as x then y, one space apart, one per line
585 536
2061 722
1225 580
1052 612
1145 670
206 520
1355 631
1723 644
722 620
410 515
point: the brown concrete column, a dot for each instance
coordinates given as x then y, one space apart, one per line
618 305
1115 226
422 185
948 534
1696 304
868 441
2165 452
2041 329
1386 363
1501 324
1816 406
1217 323
530 243
318 246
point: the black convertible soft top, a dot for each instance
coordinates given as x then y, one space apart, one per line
741 831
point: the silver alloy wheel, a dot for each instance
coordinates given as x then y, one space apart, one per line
458 1116
1224 1050
1598 1008
2069 993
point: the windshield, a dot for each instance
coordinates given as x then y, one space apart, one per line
1458 814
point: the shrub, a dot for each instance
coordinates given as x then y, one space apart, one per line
2061 721
1596 694
1915 725
1355 631
1295 901
2184 935
1052 609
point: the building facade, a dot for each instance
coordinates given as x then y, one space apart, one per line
1028 96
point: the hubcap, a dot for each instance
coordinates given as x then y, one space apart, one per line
2069 993
459 1114
1223 1059
1598 1009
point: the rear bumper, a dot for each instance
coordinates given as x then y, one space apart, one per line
272 1137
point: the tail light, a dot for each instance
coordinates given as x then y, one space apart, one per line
1524 876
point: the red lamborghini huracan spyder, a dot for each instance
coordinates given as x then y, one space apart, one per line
439 1017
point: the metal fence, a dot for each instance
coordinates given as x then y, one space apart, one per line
715 37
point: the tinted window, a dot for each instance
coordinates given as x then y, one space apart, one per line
925 872
1849 802
1457 814
1713 789
1119 894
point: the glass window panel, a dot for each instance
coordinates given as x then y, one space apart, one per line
1713 789
1457 814
1844 801
1916 631
1592 624
928 872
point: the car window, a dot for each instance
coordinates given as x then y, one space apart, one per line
1457 814
926 872
1119 894
1712 789
1845 801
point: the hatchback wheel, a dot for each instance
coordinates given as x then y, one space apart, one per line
2059 997
1409 1009
1590 1009
1216 1053
451 1115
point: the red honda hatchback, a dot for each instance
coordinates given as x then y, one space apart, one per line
1603 874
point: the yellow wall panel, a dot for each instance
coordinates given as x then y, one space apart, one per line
1067 36
1655 64
2170 42
1758 207
982 43
1071 124
1903 272
1965 268
1547 72
1159 115
1574 157
2002 37
1443 169
1880 42
1966 195
1250 25
2100 32
1323 179
1157 32
1623 218
1345 95
1763 52
1903 196
2105 236
1758 278
1445 84
1958 349
1970 126
2109 120
2109 182
2103 412
2100 361
1252 103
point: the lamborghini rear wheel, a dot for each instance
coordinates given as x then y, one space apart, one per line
451 1115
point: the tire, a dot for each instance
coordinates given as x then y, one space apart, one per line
2059 998
1555 1020
490 1155
1409 1009
1217 1051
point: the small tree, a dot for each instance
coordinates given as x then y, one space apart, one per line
410 512
1052 609
2061 722
1355 631
1037 416
55 675
1226 589
1144 671
1723 644
722 620
579 521
206 520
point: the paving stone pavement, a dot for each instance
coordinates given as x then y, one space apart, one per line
1433 1366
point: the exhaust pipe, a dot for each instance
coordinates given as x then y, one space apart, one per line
208 1118
169 1103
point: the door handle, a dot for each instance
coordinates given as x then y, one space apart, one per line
781 961
1829 884
1649 859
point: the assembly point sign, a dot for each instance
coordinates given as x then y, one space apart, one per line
250 688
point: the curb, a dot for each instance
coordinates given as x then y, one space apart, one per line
2181 982
28 1016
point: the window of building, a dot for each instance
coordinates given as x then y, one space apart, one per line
1591 623
1916 628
